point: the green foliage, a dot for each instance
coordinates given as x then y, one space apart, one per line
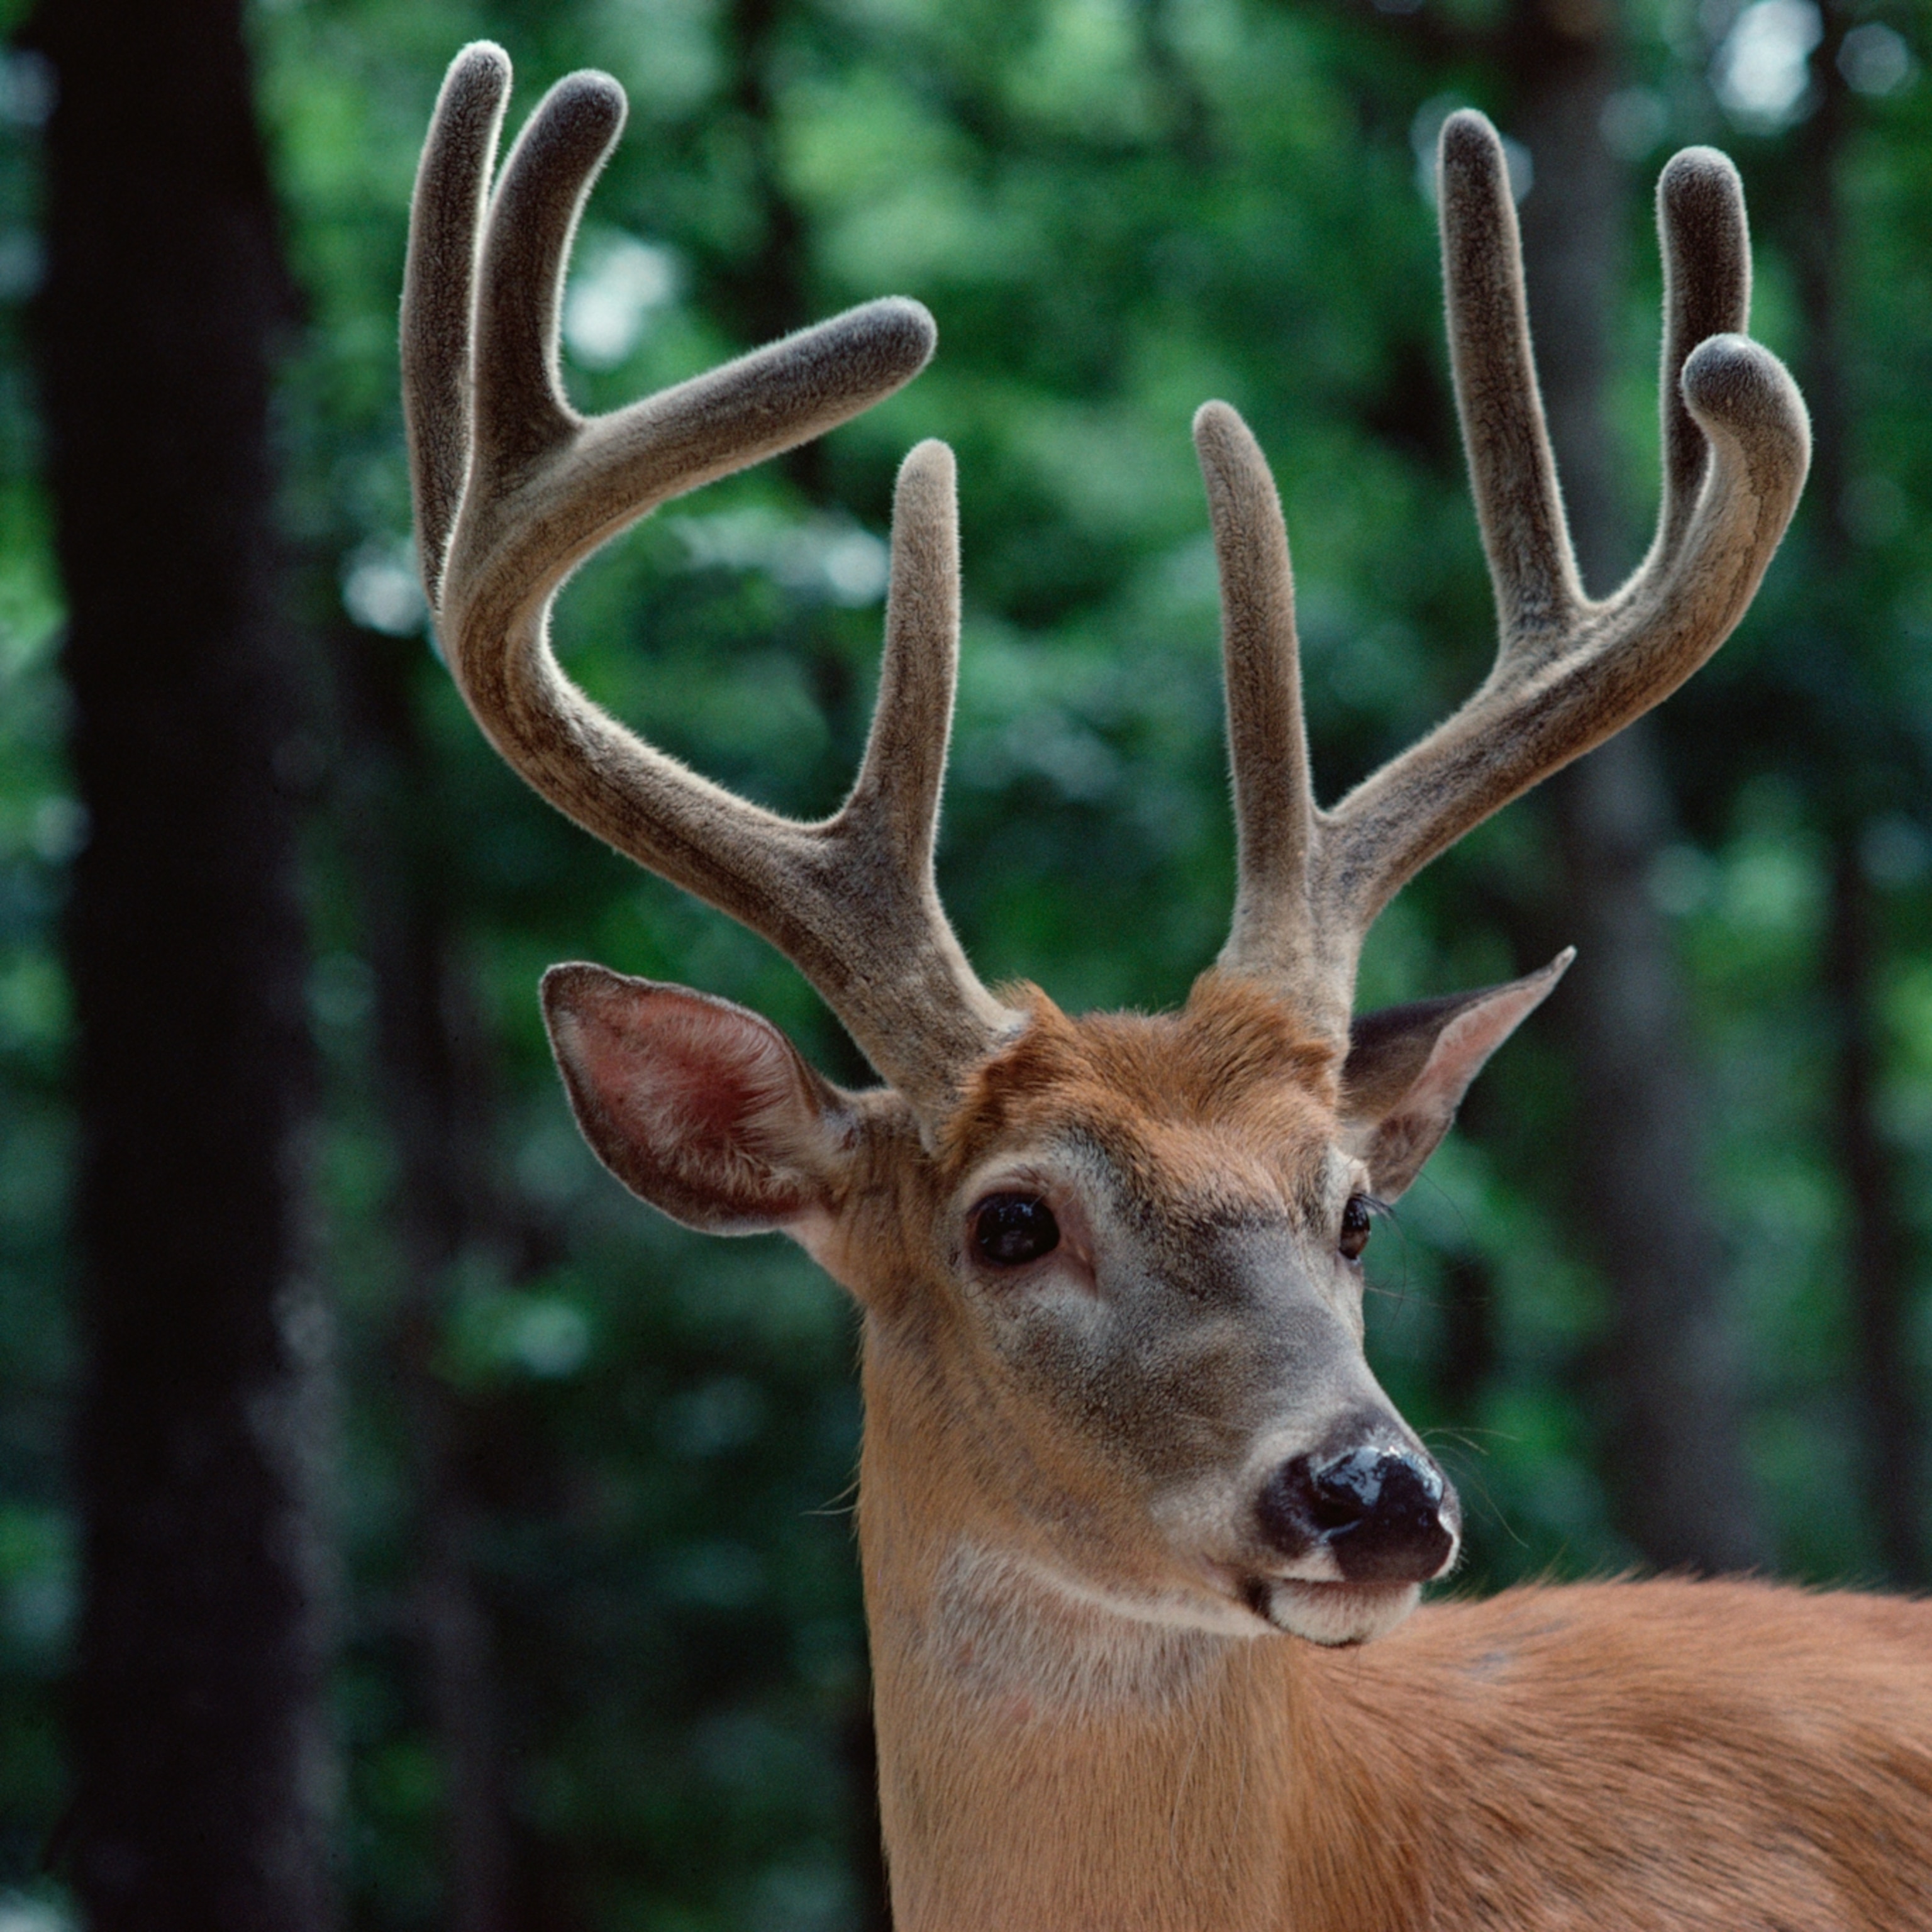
1116 208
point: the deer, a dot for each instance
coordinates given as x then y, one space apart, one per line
1142 1539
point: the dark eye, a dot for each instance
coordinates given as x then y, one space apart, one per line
1011 1229
1355 1229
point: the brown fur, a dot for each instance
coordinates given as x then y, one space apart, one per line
1732 1757
1233 1047
1645 1756
1633 1756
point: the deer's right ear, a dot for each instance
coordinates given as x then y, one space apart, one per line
698 1106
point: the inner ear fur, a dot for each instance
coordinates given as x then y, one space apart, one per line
698 1105
1409 1067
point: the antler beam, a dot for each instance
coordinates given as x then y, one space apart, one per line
1569 673
514 489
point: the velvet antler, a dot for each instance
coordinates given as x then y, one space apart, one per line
514 489
1569 672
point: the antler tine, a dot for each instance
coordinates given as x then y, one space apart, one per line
1705 243
520 410
918 993
1569 673
896 794
1267 745
439 284
515 489
1512 472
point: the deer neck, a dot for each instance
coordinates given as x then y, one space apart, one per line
1046 1761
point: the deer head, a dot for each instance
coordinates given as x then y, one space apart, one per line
1110 1265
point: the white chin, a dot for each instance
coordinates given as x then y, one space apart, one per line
1336 1614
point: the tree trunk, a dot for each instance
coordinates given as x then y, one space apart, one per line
438 1097
764 292
1878 1244
1676 1453
201 1740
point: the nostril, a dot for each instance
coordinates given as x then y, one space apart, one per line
1288 1510
1334 1512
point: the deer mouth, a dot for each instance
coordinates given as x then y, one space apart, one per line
1336 1615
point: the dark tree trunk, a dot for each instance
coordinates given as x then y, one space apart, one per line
1878 1244
201 1748
1888 1415
1676 1460
438 1095
1675 1451
1817 246
765 291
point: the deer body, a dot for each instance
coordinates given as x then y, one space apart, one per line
1663 1756
1130 1496
1063 1744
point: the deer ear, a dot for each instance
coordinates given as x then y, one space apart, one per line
698 1106
1409 1067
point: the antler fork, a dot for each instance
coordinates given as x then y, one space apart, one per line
514 489
1569 673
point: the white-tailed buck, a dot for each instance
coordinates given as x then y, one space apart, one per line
1130 1496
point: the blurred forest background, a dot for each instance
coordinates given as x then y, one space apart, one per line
563 1629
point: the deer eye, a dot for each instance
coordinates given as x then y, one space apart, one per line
1355 1226
1009 1230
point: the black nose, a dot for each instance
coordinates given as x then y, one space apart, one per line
1383 1511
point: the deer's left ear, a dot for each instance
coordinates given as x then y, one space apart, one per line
1409 1067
